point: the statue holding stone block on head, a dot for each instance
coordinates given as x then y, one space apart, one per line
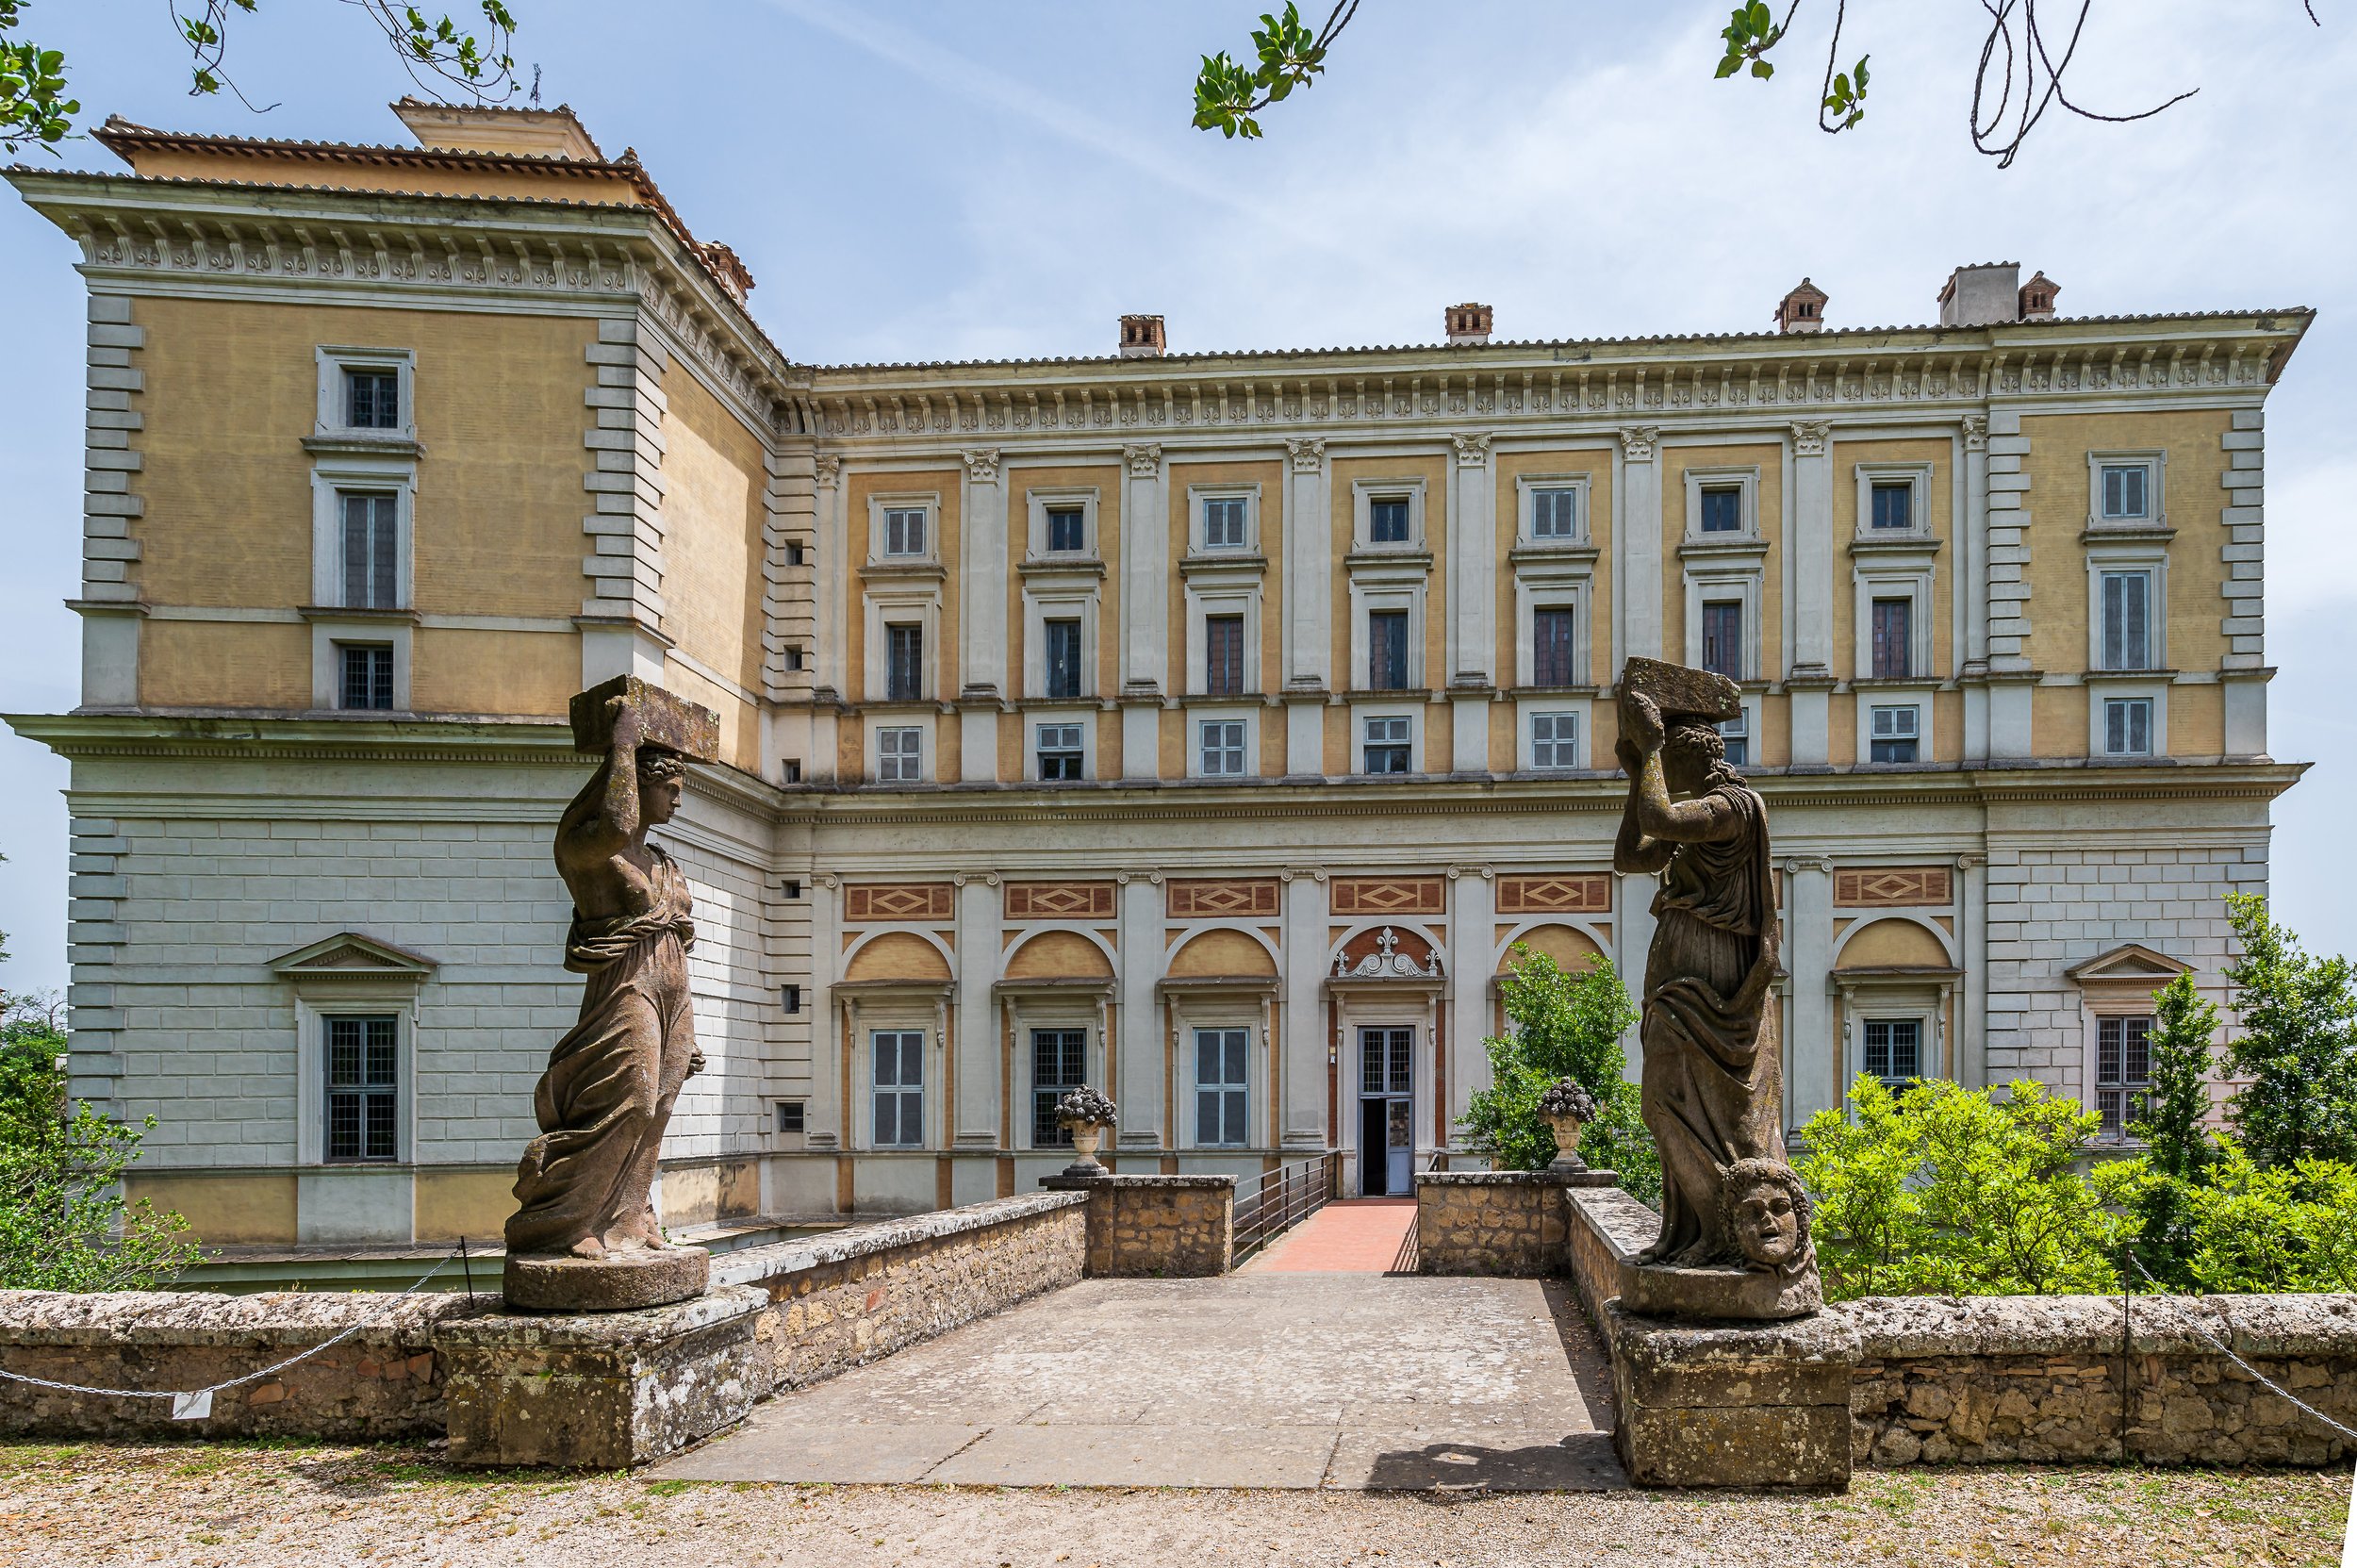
585 1236
1712 1090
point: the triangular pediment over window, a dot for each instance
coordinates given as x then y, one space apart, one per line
349 955
2132 962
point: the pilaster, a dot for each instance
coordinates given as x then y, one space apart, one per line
1138 1075
1471 641
980 1061
1632 943
1145 565
1810 530
982 577
1308 1047
1636 542
1308 586
1972 535
1812 1079
1471 935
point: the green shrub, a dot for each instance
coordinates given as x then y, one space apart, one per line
1941 1190
2253 1228
1565 1024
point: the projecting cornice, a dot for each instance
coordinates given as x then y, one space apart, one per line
213 238
1943 373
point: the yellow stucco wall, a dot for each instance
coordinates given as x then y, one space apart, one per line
222 1210
453 1203
200 664
1889 942
712 513
897 955
1341 532
1221 952
1057 955
1769 460
2192 498
941 487
1939 500
494 672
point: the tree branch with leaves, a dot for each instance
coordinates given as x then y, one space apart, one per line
440 53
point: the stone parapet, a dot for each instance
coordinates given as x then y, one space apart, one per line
599 1391
837 1300
1510 1223
386 1381
1997 1380
1156 1227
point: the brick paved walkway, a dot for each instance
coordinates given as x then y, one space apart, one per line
1359 1235
1338 1381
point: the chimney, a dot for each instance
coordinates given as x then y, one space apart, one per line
733 273
1141 338
1467 323
1984 294
2037 298
1802 311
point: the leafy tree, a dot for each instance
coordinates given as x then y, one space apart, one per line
1563 1023
2297 1047
2289 1228
438 51
2017 80
1948 1191
2178 1147
64 1223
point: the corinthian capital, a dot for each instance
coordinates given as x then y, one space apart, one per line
1636 441
1975 432
1471 449
1808 437
1307 452
827 469
1144 459
982 464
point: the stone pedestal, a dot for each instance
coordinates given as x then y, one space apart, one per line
603 1391
625 1281
1733 1404
1746 1295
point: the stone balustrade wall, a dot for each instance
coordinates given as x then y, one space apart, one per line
1999 1379
841 1299
1156 1227
1492 1222
386 1381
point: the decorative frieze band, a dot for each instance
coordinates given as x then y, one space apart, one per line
1555 893
899 901
1059 900
1893 887
1222 897
1366 895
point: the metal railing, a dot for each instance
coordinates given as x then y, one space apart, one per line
1272 1203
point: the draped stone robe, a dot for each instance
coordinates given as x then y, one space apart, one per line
607 1094
1711 1082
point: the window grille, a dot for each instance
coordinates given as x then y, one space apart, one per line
367 675
363 1082
1058 1064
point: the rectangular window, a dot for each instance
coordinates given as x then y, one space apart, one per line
1058 750
367 675
1551 647
1223 655
1555 740
1063 657
1894 639
2128 726
901 756
363 1088
372 399
1554 514
1387 519
1387 748
1058 1064
1222 748
371 542
790 1116
1221 1101
1893 506
2123 1071
1723 509
2127 492
1722 638
2127 628
904 663
1223 523
1067 529
1895 735
1894 1050
1387 1061
1735 735
900 1091
904 530
1387 649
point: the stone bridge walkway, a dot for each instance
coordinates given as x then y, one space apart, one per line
1265 1378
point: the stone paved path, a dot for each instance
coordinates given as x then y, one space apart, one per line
1360 1235
1268 1380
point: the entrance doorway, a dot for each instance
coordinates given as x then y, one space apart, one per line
1387 1112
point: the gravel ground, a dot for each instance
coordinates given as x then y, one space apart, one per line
255 1507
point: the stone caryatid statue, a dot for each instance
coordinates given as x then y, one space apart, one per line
1734 1219
585 1236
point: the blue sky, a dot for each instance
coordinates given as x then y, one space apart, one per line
937 181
